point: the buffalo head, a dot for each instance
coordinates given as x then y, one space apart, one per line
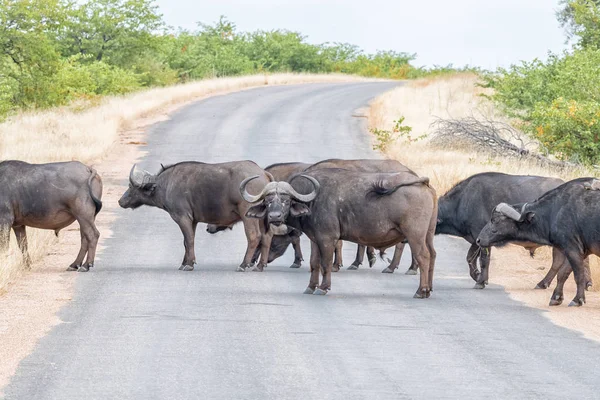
507 224
142 185
277 200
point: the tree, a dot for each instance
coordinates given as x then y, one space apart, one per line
581 19
118 30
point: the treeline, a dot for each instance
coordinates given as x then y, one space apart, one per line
558 101
53 52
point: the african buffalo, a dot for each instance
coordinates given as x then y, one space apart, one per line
566 218
466 208
279 242
50 196
193 192
364 165
373 209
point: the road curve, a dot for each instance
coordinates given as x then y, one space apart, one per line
138 328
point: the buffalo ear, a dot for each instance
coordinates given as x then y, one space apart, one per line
258 211
150 187
299 209
529 216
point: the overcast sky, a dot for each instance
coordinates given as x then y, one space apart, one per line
482 33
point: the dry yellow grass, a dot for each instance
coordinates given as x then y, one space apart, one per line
420 102
88 135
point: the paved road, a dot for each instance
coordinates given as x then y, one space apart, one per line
140 329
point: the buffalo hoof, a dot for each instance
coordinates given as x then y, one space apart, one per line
422 294
541 285
556 301
372 261
388 270
576 303
411 271
186 268
259 268
588 285
320 292
479 285
295 265
336 268
353 267
308 291
73 268
84 268
238 269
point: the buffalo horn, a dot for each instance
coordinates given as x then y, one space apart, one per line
138 177
302 197
508 211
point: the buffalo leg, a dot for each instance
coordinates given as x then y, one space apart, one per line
576 260
315 267
297 252
187 229
91 234
4 236
82 252
337 262
484 262
562 275
472 255
360 257
421 252
558 259
253 236
371 257
326 251
588 273
429 242
398 250
265 246
22 241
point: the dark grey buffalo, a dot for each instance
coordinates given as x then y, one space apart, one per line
372 209
364 165
193 192
281 241
566 218
50 196
466 208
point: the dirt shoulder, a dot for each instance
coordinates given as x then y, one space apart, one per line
518 273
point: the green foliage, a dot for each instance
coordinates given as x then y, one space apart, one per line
385 138
570 129
540 94
581 19
55 51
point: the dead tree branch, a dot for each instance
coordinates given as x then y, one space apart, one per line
495 137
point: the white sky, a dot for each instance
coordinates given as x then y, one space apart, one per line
482 33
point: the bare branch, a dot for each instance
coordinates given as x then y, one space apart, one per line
492 136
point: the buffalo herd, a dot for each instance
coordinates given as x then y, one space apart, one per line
378 204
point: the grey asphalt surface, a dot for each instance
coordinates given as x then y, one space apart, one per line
138 328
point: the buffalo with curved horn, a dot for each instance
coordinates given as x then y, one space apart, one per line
565 218
372 209
193 192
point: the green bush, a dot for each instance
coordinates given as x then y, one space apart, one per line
569 129
555 101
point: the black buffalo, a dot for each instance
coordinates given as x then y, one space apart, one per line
50 196
193 192
566 218
372 209
466 208
281 241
